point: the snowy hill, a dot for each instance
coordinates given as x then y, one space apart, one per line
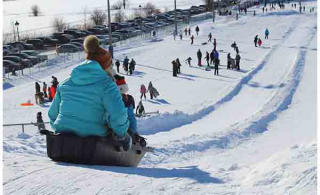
251 131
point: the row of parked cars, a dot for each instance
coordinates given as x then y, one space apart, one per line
18 55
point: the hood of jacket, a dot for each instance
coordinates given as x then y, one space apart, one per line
88 72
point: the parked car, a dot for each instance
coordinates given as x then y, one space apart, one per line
74 33
86 32
8 49
49 41
79 40
67 48
10 65
36 54
79 45
37 43
100 26
115 26
19 45
23 62
34 60
64 38
96 31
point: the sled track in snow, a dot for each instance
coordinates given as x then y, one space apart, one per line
170 121
246 129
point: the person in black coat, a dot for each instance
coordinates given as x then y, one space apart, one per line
178 66
132 66
255 40
207 58
197 30
212 57
216 67
174 68
126 64
37 88
228 59
238 61
199 55
210 37
118 65
214 44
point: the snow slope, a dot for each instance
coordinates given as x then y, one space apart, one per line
251 131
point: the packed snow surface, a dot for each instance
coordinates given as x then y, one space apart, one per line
251 131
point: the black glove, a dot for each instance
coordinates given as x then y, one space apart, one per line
125 141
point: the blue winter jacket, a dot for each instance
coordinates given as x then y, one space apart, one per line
88 101
216 55
266 32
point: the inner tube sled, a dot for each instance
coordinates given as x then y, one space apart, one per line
92 150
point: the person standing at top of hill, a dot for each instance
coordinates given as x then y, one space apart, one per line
89 100
197 30
186 31
189 31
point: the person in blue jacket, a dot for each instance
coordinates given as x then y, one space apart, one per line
89 103
266 32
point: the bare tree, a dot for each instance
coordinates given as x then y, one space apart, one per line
149 9
98 17
119 16
117 5
35 10
85 11
58 24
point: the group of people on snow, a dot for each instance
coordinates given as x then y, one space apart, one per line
128 67
47 93
258 41
176 67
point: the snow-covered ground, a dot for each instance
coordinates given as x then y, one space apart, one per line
251 131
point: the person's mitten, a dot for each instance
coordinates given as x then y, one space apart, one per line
125 141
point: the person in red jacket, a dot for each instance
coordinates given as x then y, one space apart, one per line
192 37
259 42
53 91
143 91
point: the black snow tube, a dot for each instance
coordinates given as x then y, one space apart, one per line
92 150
